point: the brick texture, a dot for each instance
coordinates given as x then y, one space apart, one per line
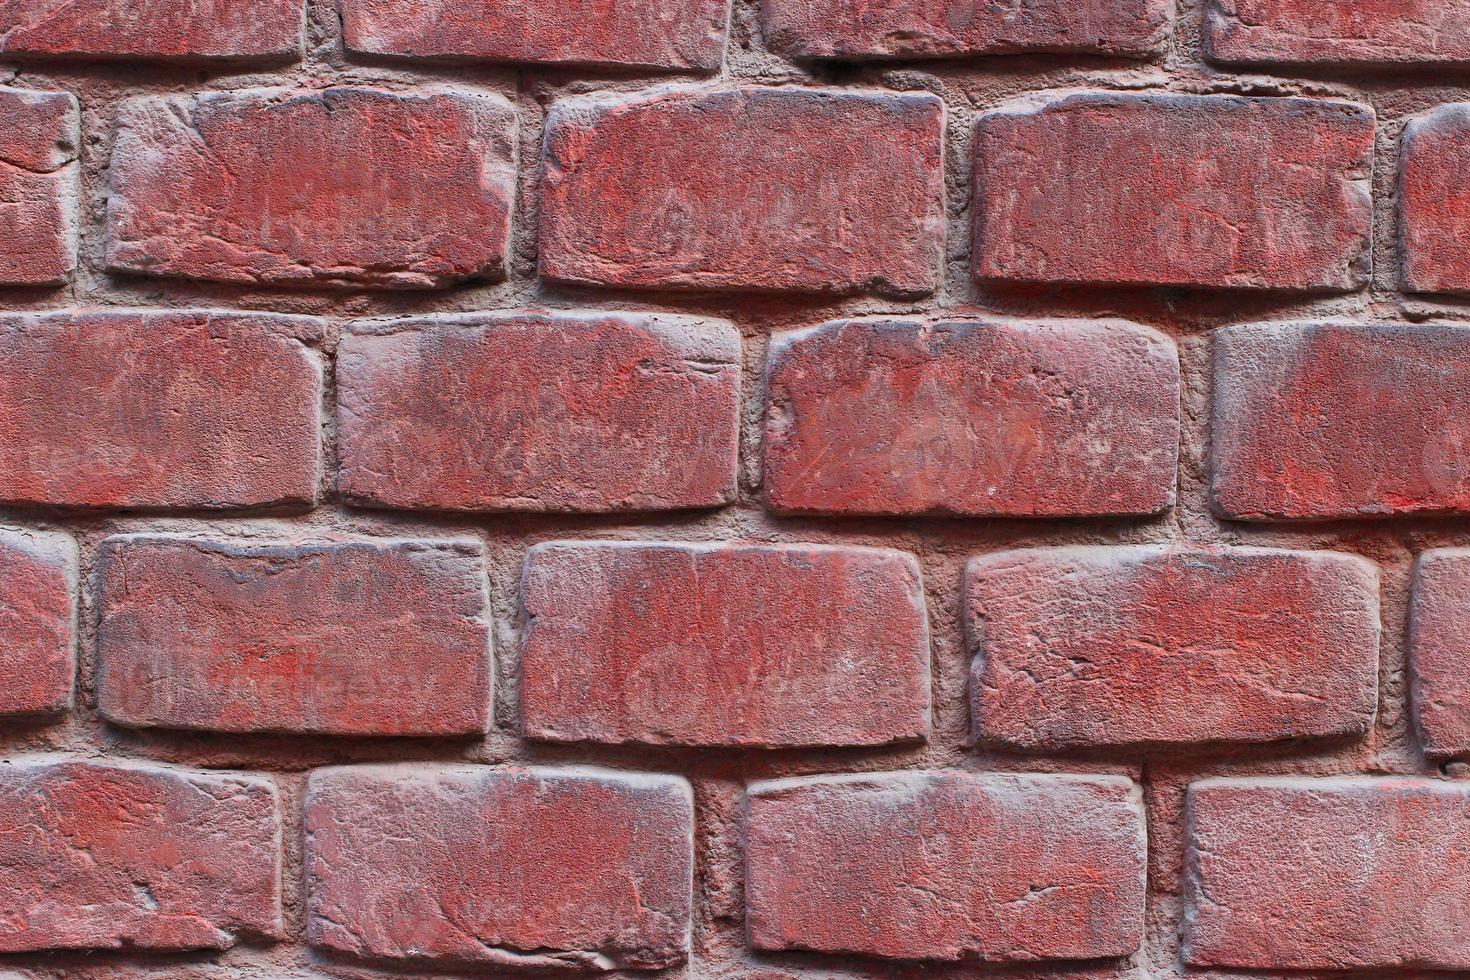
40 137
1439 633
38 572
1404 33
1434 217
164 30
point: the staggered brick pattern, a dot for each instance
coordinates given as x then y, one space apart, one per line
735 489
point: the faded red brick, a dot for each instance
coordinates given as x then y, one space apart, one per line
542 869
1024 419
1363 32
1328 874
768 189
1085 646
1329 420
696 644
1439 648
346 187
368 637
38 572
883 29
1434 199
946 866
540 412
158 409
40 136
660 34
1180 190
128 856
161 30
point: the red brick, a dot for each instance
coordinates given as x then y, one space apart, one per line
946 866
370 637
661 34
38 572
533 868
694 644
121 855
1363 32
40 135
883 29
1329 420
1328 874
769 189
1087 646
346 187
155 409
163 30
1434 200
1024 419
1182 190
540 412
1439 648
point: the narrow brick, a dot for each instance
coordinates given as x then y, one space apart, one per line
38 572
161 30
1439 648
1399 33
1434 200
40 137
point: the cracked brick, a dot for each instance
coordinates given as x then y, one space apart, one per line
40 137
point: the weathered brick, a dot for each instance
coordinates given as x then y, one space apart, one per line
694 644
946 866
38 573
540 412
1434 200
1024 419
121 855
161 30
1330 420
368 637
535 868
1439 645
1181 190
40 136
1086 646
881 29
1364 32
768 189
1328 874
346 187
156 409
662 34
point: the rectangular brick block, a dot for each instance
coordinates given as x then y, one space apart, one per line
766 189
1089 646
370 637
142 857
1439 648
946 866
1348 873
38 574
884 29
659 34
160 30
1316 421
1434 199
345 188
40 137
159 409
583 412
1366 32
1175 190
1047 418
695 644
541 869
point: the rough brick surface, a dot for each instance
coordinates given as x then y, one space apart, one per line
1184 190
1434 200
156 409
1023 419
1078 647
40 137
1325 420
161 30
342 187
723 645
1366 32
534 868
376 637
540 412
946 866
671 34
772 189
103 856
882 29
1439 645
38 572
1328 874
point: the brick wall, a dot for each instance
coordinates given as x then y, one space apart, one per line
806 490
